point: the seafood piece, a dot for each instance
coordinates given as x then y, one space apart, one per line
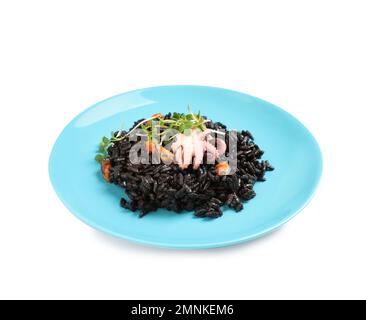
192 146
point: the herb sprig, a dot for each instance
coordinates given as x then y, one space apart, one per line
179 121
182 122
103 149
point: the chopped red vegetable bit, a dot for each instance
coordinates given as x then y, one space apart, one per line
157 115
150 146
106 166
222 168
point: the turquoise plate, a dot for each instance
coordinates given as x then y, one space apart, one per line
288 145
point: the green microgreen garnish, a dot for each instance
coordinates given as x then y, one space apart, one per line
182 122
178 121
103 149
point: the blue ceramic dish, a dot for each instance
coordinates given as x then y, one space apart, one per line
288 145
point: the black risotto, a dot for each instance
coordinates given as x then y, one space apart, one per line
153 186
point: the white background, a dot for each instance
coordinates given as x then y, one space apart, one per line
59 57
